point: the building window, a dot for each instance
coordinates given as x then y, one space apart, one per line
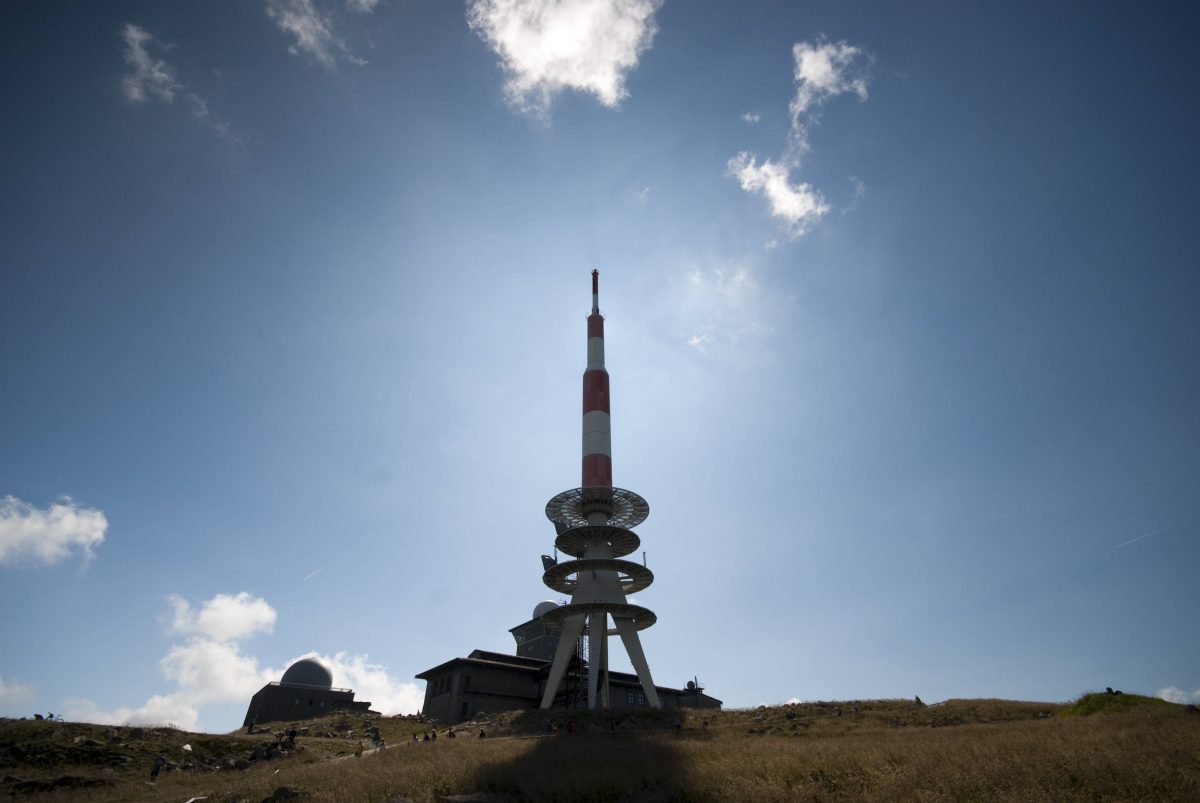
466 682
641 698
310 700
630 697
465 708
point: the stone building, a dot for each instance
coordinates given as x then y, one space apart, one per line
305 690
491 681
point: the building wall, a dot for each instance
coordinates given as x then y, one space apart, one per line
490 687
535 641
462 690
282 703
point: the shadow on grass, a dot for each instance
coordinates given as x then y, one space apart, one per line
628 758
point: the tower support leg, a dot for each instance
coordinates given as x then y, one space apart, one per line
562 656
633 646
596 631
604 667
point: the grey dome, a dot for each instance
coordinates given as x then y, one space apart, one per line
307 672
542 607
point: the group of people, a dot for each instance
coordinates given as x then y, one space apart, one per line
431 736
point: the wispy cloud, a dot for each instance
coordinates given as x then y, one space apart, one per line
14 693
1174 695
32 535
796 203
723 304
209 666
148 77
860 190
362 6
311 30
823 70
751 118
642 195
151 78
548 46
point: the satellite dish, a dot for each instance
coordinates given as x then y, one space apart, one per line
691 685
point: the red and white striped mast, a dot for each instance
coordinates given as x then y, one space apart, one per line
597 437
593 524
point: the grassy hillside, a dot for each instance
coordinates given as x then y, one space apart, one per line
1139 748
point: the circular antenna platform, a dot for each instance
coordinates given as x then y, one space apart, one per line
623 508
575 541
633 577
642 617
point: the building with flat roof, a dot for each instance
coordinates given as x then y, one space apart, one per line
485 681
305 690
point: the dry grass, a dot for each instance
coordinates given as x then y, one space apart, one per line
885 750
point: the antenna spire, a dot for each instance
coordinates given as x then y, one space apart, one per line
597 444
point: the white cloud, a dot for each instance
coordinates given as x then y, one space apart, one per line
372 683
751 118
28 534
210 667
312 31
792 701
170 709
642 195
823 70
148 77
1174 695
798 204
222 618
212 671
547 46
13 693
362 6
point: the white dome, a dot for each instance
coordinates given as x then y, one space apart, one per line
541 608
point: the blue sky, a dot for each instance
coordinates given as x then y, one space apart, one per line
901 324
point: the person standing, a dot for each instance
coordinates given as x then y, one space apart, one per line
159 763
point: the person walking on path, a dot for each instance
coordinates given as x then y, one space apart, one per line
159 763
